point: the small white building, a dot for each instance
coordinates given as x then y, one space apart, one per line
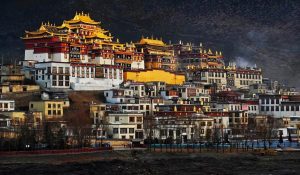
118 95
138 89
7 105
53 75
77 76
125 126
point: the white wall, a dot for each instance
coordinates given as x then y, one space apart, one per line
60 57
29 54
138 65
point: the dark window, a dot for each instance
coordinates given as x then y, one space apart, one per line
123 130
131 119
131 130
115 130
139 126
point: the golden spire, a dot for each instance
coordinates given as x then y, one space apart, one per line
200 44
216 53
117 40
209 51
204 51
220 53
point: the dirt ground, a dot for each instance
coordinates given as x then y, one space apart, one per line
125 162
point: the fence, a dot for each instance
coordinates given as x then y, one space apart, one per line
221 147
57 151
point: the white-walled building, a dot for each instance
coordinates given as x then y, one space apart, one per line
116 96
53 75
125 126
92 77
279 105
78 76
7 105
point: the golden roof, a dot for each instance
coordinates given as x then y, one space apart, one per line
81 17
99 35
44 29
155 42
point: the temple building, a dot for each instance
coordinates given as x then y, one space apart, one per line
190 57
157 54
80 40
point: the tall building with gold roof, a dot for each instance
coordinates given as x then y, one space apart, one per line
79 40
157 54
190 57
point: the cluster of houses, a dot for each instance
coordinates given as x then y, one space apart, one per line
149 91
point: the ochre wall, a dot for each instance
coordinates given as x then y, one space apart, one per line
154 75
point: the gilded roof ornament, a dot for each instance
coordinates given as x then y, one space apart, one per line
209 51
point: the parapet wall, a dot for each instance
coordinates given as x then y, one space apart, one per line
154 75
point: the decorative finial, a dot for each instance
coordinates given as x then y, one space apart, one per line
200 44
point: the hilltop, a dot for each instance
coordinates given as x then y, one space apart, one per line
262 32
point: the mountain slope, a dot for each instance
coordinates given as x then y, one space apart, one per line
262 32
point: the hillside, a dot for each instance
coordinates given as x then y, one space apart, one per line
262 32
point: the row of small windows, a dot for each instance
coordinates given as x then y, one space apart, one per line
270 101
123 130
281 108
248 76
216 74
238 120
54 112
215 81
